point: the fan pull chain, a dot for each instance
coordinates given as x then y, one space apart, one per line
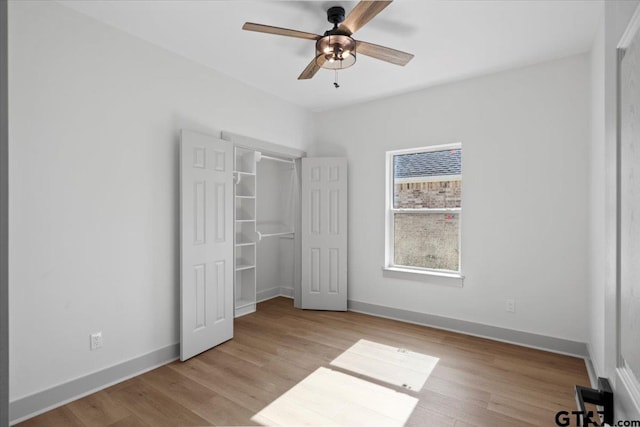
335 80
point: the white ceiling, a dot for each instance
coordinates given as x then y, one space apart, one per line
451 40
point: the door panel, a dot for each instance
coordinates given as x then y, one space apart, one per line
206 243
628 381
324 234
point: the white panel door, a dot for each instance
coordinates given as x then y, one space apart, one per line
629 321
206 242
324 233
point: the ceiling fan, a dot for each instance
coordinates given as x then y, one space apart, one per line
337 49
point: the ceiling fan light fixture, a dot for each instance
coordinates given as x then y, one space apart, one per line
338 50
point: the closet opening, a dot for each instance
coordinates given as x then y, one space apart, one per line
276 214
267 213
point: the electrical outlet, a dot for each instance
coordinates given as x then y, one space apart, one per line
511 305
96 340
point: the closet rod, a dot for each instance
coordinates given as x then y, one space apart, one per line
282 233
276 159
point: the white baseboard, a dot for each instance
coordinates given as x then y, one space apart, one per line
274 293
38 403
286 292
267 294
526 339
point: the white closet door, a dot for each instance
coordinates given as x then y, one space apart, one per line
627 382
206 243
324 233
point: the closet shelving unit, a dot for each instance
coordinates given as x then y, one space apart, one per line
245 231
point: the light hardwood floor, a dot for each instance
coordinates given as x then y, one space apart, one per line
477 382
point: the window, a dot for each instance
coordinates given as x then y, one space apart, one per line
424 204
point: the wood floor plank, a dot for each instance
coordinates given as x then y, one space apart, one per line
130 421
221 411
460 423
61 416
284 370
476 382
497 379
244 371
524 411
468 412
534 369
422 416
285 348
237 390
253 355
153 407
468 393
560 397
177 387
98 410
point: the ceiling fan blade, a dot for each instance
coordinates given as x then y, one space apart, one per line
312 68
383 53
364 12
250 26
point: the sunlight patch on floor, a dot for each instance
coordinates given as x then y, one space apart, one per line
331 398
392 365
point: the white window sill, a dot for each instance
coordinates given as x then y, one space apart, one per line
436 277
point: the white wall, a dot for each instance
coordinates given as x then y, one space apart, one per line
597 178
525 136
94 120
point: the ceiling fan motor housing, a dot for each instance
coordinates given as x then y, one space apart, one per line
335 15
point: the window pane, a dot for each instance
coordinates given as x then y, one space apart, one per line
429 179
427 240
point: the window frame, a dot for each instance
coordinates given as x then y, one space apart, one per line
390 212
